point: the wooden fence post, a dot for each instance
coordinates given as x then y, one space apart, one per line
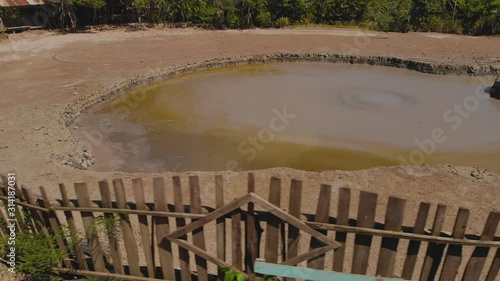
198 235
273 225
478 258
252 239
107 202
344 204
55 226
162 230
75 239
454 254
322 215
96 253
128 234
180 222
434 250
294 207
220 222
362 243
393 222
414 245
147 242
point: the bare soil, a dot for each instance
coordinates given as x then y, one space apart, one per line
46 78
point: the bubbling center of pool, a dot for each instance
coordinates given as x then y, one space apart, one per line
376 99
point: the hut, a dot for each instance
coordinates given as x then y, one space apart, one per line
19 15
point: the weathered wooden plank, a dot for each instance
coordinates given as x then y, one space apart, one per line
127 232
21 219
55 226
130 212
236 249
294 207
198 235
322 215
36 215
309 255
414 245
44 214
96 253
201 253
110 228
180 222
273 225
344 204
303 226
195 224
401 235
495 267
24 225
104 276
19 203
162 230
478 258
252 239
454 254
220 227
75 239
148 248
434 250
362 243
393 221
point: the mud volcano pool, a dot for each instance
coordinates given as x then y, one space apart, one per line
310 116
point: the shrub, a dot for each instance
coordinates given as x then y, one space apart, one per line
36 256
231 275
283 22
264 19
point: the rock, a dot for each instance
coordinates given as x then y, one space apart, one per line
495 89
477 175
87 155
84 164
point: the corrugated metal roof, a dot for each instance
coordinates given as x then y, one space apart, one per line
21 3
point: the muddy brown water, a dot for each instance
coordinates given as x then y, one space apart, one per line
310 116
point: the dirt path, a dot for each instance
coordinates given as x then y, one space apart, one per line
46 76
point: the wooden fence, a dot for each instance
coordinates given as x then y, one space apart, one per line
169 239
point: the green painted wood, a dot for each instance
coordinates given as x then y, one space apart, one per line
312 274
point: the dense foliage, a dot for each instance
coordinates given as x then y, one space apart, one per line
452 16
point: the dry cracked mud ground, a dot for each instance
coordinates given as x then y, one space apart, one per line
47 78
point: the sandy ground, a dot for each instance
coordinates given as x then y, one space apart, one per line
43 74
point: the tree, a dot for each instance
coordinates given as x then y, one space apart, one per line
390 15
427 15
479 16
